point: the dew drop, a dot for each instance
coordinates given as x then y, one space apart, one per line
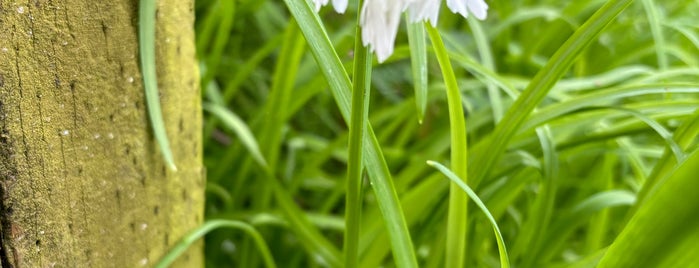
65 132
20 9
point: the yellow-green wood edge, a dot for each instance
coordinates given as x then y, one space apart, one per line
83 184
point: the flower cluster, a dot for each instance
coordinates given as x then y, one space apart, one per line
380 19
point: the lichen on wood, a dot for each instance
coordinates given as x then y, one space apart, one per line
81 178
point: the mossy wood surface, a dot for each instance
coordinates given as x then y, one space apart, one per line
83 182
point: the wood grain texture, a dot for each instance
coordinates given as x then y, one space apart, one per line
83 183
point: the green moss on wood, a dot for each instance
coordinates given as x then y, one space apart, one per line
82 181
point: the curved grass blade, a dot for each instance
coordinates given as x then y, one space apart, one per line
664 231
458 203
212 225
146 44
660 129
656 29
542 83
685 135
238 126
340 86
594 99
504 258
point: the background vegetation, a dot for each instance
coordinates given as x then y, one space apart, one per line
583 161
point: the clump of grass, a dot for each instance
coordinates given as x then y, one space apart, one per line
581 123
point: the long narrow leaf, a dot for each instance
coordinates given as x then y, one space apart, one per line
146 44
238 126
504 258
418 63
212 225
540 86
456 218
357 130
663 232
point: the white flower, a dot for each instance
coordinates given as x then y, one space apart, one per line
428 10
424 10
339 5
476 7
379 20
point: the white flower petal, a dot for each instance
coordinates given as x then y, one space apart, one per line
319 4
340 6
477 7
424 10
379 21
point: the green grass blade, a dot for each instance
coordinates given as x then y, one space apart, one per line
482 43
609 96
277 104
685 136
542 83
504 258
238 126
456 219
656 29
418 63
660 129
212 225
530 237
376 166
357 130
664 231
146 45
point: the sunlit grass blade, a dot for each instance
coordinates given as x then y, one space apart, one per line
457 215
146 45
656 29
238 126
418 63
660 129
602 97
212 225
340 86
504 258
664 231
357 129
540 86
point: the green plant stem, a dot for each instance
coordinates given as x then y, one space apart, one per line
379 174
456 219
358 120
